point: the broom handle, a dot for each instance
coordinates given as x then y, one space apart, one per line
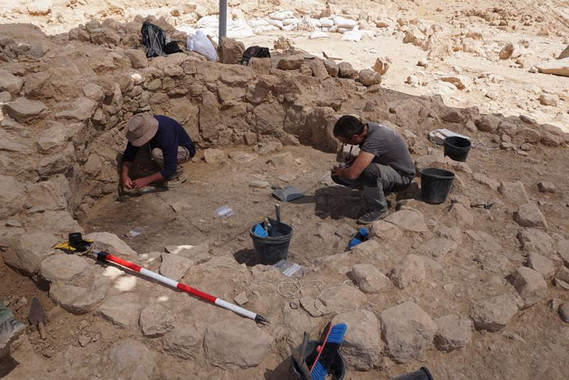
104 256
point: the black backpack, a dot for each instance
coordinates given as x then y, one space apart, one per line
255 51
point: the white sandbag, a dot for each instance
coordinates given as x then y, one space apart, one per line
341 22
318 35
291 21
288 28
324 29
311 21
353 35
258 22
278 23
201 44
344 30
326 22
281 15
210 26
265 28
333 29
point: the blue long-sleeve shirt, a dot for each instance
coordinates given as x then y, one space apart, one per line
168 138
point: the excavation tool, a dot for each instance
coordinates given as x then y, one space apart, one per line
107 257
37 317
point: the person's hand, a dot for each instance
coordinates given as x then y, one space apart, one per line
127 182
140 183
338 170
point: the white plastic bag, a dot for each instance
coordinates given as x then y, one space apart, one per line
202 45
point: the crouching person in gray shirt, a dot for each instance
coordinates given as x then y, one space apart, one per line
383 166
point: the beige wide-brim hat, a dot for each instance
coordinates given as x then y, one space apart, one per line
141 128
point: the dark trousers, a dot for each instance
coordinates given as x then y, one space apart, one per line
376 181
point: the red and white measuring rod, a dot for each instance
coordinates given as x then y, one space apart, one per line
104 256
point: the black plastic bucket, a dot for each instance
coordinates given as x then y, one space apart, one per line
336 371
457 148
421 374
274 248
435 185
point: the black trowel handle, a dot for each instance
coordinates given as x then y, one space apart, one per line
278 212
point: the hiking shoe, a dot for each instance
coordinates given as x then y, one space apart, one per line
372 216
175 182
10 329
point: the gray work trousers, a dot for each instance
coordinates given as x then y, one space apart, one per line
376 181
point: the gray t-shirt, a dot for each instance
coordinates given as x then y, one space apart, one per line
388 148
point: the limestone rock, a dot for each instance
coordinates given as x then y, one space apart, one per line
156 320
548 100
383 230
362 344
137 58
105 241
546 187
438 247
184 341
541 265
460 81
507 51
369 77
409 270
9 82
29 250
231 50
130 357
346 70
564 312
12 196
488 123
122 310
81 297
222 338
529 215
453 332
530 285
63 267
24 110
214 156
174 266
485 180
564 53
410 220
81 109
342 298
291 62
537 241
562 248
319 69
242 157
495 313
407 331
557 67
332 67
369 279
381 65
514 192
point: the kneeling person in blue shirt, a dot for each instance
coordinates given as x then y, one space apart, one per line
168 143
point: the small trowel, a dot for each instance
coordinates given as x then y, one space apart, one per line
37 317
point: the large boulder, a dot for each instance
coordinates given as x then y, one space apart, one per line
231 50
221 340
25 110
530 285
453 332
12 196
495 313
105 241
63 267
362 343
29 250
131 359
408 331
9 82
529 215
557 67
